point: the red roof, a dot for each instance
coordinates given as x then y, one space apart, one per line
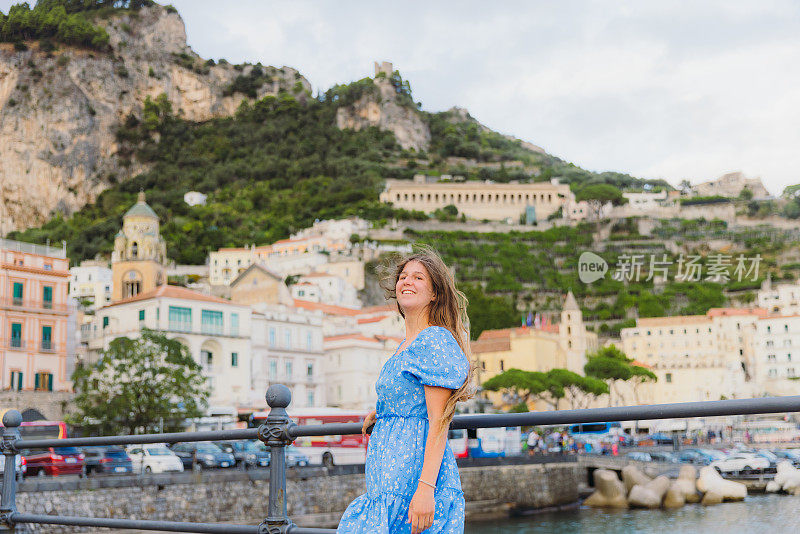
366 320
174 292
716 312
330 309
356 336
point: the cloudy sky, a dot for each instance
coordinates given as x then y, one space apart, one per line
674 90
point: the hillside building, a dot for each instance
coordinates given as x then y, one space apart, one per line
138 263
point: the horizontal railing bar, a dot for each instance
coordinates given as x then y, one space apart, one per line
678 410
167 526
172 437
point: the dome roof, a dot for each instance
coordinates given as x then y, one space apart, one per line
141 208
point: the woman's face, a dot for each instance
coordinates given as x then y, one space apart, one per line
414 288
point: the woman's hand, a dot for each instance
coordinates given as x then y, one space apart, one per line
421 509
369 420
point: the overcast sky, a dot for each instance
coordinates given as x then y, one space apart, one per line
674 90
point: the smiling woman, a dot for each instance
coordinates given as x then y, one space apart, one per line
412 478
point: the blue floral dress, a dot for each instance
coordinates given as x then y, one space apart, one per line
397 444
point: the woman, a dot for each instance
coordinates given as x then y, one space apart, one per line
412 477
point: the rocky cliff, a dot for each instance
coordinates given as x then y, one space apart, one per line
59 110
384 111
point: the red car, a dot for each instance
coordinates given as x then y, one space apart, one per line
54 461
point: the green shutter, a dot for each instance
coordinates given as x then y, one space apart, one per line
16 335
141 315
105 321
19 380
49 381
36 381
47 337
47 293
234 359
18 290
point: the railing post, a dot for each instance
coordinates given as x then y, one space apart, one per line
274 433
8 499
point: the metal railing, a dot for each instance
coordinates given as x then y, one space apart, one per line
34 305
279 430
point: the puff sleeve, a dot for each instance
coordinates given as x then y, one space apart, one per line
436 359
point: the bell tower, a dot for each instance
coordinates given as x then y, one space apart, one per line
140 253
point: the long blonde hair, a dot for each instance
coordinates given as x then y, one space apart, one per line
448 310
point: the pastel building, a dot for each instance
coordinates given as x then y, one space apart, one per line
775 364
91 282
326 288
697 357
140 253
353 363
36 320
556 346
288 349
216 332
479 200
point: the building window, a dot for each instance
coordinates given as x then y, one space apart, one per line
770 357
18 290
16 335
105 321
47 338
271 337
668 378
180 319
769 329
502 365
234 359
206 359
309 341
273 369
43 382
289 369
288 339
310 370
211 322
48 266
310 397
47 296
772 373
141 315
234 324
16 380
790 371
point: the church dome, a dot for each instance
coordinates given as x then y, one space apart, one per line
141 209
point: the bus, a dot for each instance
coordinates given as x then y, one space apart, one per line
41 430
485 442
326 450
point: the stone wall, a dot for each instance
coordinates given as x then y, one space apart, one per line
315 498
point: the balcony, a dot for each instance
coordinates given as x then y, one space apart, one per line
33 305
14 344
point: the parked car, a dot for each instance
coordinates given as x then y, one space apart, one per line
665 457
661 438
21 466
236 448
294 457
792 455
699 456
769 455
256 454
154 458
54 461
107 460
740 461
206 454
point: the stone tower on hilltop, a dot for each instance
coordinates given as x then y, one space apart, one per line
385 67
574 339
140 253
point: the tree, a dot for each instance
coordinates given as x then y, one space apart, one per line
523 387
136 384
600 192
610 364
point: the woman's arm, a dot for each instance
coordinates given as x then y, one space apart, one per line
420 512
